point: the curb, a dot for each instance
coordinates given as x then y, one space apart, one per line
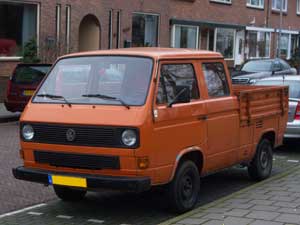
221 200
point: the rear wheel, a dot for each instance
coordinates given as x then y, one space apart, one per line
69 194
261 166
183 191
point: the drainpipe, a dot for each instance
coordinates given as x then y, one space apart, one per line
280 30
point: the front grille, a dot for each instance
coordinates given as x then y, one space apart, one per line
93 136
80 161
240 80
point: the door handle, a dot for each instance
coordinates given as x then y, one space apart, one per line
204 117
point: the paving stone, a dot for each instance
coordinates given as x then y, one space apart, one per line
238 200
240 205
215 216
192 221
282 198
265 208
289 210
237 212
237 221
214 222
261 202
288 218
287 204
263 222
264 215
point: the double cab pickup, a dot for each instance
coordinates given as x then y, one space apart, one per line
133 119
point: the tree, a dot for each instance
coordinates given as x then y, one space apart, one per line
30 52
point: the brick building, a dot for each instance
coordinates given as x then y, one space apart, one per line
240 29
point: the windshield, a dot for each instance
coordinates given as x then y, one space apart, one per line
294 86
26 74
257 66
103 80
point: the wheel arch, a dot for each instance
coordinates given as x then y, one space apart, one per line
194 154
270 135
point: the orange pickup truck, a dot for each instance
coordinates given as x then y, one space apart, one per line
132 119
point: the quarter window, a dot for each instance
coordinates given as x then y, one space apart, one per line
255 3
216 81
174 76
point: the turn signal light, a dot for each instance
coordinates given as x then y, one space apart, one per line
143 163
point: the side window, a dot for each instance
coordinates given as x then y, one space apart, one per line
173 76
216 80
285 65
277 66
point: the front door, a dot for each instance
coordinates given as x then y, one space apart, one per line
239 48
181 125
223 118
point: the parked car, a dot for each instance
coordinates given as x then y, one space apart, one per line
22 84
253 70
293 125
164 123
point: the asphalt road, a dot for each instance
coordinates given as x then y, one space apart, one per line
108 207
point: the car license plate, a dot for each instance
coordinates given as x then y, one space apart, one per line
67 181
28 92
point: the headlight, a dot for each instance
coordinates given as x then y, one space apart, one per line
129 138
252 81
27 132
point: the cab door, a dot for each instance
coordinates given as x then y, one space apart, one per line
181 125
222 117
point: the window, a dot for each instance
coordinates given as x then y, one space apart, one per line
259 44
18 25
256 3
144 30
216 80
110 30
118 29
172 78
298 6
68 27
277 4
284 45
185 36
225 42
222 1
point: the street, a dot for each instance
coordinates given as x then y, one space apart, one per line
107 207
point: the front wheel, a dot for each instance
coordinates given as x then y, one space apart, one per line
261 166
183 191
68 194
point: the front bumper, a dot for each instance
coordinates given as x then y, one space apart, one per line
136 184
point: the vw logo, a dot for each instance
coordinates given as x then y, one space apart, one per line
71 135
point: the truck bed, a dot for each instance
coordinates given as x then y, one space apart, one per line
258 102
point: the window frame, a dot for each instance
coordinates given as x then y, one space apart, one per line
158 23
234 41
177 62
173 36
226 75
226 2
38 21
258 33
298 7
261 4
277 10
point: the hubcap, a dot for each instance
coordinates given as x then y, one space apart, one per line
187 187
264 158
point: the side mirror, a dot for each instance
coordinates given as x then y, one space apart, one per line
183 95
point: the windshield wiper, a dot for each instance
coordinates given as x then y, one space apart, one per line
55 97
108 98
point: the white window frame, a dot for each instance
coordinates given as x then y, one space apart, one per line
228 2
257 53
38 17
58 23
234 40
298 7
285 6
289 32
180 25
261 4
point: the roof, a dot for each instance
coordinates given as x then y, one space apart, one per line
280 78
157 53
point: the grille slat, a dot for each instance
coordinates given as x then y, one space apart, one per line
81 161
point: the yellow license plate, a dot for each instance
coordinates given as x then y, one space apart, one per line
67 181
28 92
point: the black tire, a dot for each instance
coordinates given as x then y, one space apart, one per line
261 166
68 194
183 191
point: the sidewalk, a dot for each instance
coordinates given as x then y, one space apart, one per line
6 116
275 201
